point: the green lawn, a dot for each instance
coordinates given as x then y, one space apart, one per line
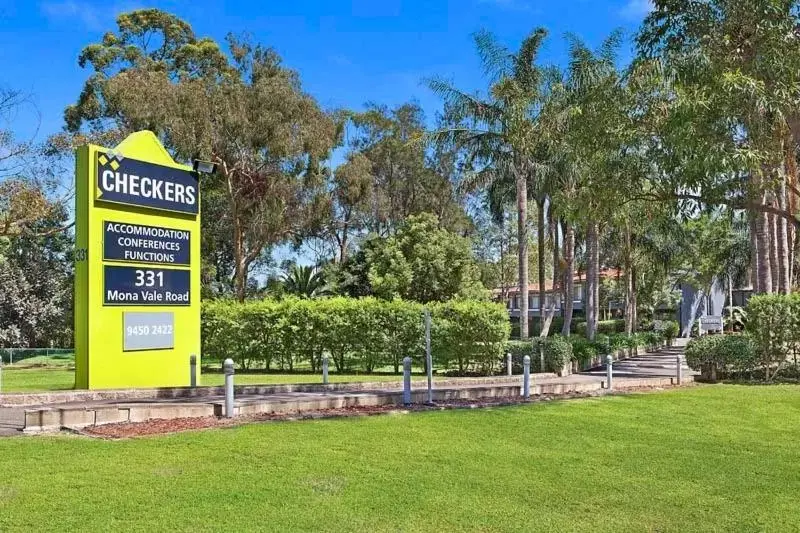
53 379
721 458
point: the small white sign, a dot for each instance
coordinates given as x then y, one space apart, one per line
148 331
711 323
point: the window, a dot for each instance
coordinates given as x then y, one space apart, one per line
577 293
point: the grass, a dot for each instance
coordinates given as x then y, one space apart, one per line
55 373
54 379
37 379
715 458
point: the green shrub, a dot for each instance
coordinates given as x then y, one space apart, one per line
773 321
578 327
604 327
646 324
630 342
607 327
557 353
469 334
721 355
356 333
534 326
518 350
670 329
650 339
583 350
617 341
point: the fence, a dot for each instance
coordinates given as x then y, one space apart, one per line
9 356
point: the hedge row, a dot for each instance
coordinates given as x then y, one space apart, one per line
558 350
577 326
669 328
362 334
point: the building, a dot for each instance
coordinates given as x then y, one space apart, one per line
698 303
512 300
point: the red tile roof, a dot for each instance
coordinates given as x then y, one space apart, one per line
605 273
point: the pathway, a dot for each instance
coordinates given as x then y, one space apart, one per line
76 409
659 364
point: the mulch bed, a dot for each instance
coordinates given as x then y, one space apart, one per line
175 425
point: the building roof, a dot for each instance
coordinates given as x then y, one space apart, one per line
605 273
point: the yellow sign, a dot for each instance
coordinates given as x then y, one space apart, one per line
137 270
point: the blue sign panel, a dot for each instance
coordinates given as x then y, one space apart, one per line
130 181
124 285
145 244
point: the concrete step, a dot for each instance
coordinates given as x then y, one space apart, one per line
64 397
55 417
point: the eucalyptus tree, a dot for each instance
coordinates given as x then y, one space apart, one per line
732 126
30 179
242 109
500 133
36 276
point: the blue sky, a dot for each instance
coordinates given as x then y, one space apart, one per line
348 52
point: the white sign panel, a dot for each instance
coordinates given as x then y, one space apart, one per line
148 331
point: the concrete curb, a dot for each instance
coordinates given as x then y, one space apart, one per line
54 418
19 399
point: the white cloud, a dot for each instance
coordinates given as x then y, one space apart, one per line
340 60
510 5
636 9
91 17
73 10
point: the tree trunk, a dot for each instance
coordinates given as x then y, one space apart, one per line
629 297
522 244
540 233
784 283
762 242
592 276
754 258
730 303
773 250
240 267
503 288
634 303
569 285
343 243
551 311
790 201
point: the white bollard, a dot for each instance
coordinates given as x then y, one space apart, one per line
428 355
1 375
324 369
193 371
678 369
609 371
227 368
526 377
407 381
508 364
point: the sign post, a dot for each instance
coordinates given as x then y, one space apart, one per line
137 266
709 323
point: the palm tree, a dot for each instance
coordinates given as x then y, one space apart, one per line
598 141
499 133
306 282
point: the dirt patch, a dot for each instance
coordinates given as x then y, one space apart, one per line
175 425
